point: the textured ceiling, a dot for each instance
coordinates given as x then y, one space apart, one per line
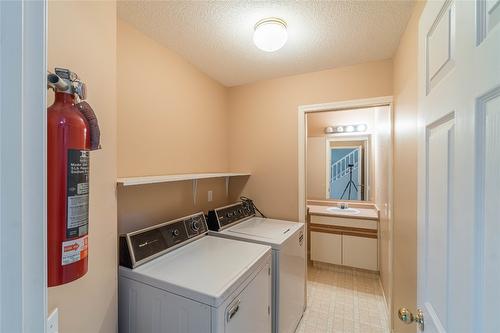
216 36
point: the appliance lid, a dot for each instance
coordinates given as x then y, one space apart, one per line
274 231
207 270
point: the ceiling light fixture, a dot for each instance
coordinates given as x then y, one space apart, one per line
345 129
270 34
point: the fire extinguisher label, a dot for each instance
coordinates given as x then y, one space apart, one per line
74 250
78 193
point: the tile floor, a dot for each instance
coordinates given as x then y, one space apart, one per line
343 300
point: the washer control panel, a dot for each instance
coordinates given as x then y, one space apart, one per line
224 216
141 246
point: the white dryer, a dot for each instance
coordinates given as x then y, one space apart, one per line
173 277
239 222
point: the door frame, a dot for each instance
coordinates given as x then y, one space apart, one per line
23 277
303 110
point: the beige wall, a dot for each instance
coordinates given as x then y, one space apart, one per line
143 206
82 37
405 173
263 121
172 118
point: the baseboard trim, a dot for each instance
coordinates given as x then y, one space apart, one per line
387 307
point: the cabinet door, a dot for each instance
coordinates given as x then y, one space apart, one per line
326 247
360 252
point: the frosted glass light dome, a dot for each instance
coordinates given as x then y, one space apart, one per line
270 34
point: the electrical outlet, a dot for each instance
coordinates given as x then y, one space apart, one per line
210 196
53 322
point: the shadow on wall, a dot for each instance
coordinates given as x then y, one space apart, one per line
142 206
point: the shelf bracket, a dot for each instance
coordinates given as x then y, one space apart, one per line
227 186
195 190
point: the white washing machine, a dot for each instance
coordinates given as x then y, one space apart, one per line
239 222
173 277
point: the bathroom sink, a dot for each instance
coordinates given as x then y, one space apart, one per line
346 211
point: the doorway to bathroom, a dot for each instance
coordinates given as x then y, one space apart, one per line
345 198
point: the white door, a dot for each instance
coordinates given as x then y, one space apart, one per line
459 166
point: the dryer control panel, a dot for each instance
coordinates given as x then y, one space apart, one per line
222 217
141 246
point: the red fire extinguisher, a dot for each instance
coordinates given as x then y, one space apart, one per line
72 132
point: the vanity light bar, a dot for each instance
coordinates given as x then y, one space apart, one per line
346 129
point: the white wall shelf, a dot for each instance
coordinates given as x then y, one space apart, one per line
194 177
130 181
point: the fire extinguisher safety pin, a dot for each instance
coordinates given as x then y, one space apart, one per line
68 82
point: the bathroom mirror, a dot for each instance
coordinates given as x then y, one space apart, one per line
348 154
347 168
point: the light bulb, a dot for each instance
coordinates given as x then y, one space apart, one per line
361 128
349 128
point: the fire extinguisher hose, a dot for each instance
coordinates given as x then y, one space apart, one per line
95 133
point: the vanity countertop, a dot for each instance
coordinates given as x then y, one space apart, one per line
364 213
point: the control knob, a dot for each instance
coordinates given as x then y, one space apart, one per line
175 232
195 226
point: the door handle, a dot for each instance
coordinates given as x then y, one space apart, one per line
407 317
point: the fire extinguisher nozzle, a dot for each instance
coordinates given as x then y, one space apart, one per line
56 83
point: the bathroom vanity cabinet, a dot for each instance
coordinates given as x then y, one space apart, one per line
344 240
